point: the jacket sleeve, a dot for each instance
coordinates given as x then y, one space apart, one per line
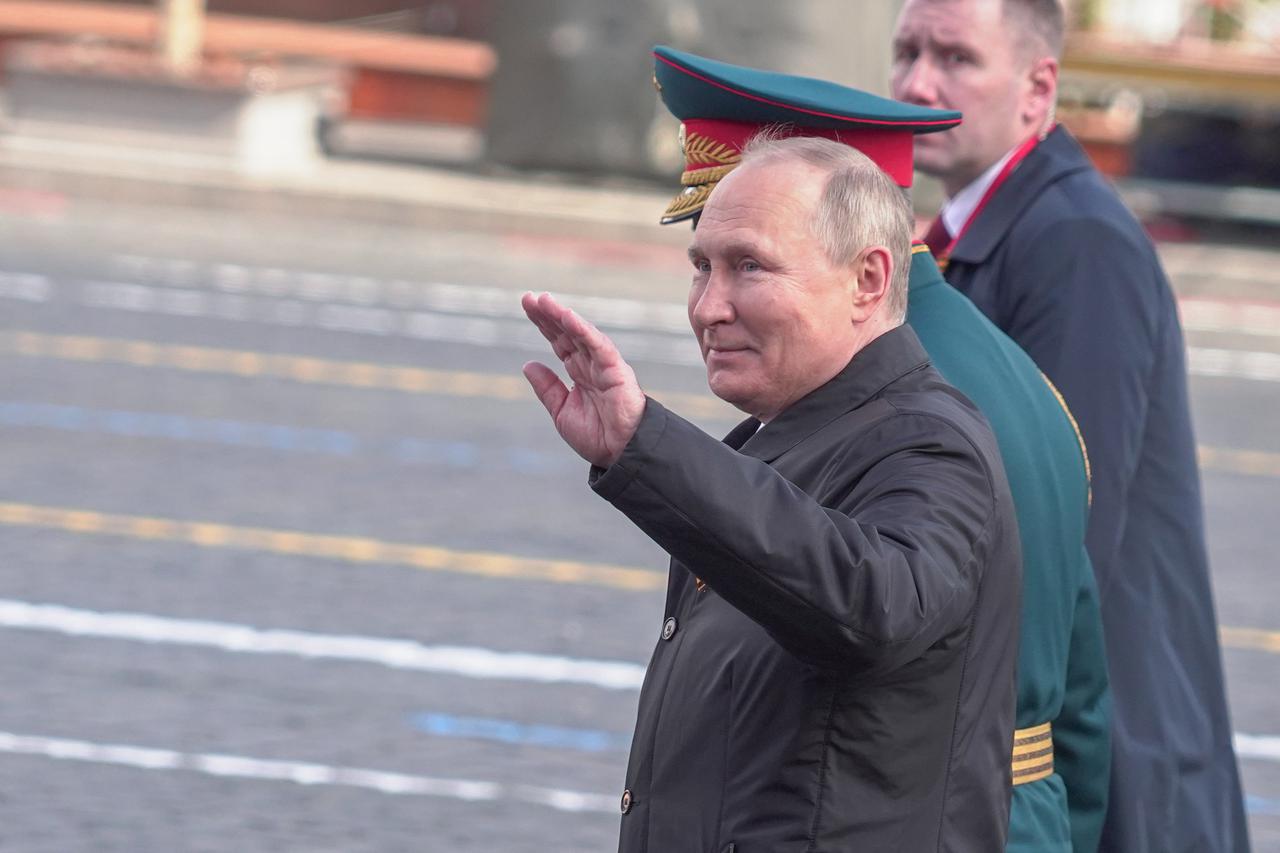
868 584
1090 322
1082 732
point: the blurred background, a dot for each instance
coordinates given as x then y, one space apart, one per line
290 558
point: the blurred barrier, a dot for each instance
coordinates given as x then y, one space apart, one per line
391 75
573 91
451 58
1187 70
250 118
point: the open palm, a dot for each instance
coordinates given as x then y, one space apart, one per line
600 413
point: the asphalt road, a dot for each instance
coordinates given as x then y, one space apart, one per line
290 560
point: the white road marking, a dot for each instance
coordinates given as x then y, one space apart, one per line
1261 747
492 330
1235 364
465 661
491 316
401 294
663 347
1198 313
26 287
469 662
302 773
1213 315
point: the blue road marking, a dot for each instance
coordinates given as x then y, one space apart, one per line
456 454
522 734
286 439
1259 805
532 461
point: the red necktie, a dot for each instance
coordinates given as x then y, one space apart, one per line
938 238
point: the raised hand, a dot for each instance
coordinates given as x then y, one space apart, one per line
600 413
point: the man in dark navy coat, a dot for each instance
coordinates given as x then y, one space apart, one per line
1041 243
835 671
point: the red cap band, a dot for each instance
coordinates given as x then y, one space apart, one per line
889 149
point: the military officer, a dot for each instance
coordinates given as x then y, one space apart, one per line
1060 753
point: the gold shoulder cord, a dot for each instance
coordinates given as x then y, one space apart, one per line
1084 451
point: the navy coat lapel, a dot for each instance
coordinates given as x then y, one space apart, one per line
1056 157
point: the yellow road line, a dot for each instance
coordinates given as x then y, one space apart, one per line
315 371
1254 462
416 380
1251 638
348 549
357 549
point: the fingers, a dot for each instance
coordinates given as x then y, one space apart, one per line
560 325
546 318
529 302
590 340
550 390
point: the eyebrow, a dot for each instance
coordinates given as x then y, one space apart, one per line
735 249
932 42
951 44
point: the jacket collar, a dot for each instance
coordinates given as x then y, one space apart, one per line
924 268
1056 157
877 365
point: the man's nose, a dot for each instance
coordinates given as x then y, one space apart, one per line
712 305
917 83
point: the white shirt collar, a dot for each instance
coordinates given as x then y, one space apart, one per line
958 209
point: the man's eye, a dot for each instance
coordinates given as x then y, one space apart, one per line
750 266
702 265
956 57
905 54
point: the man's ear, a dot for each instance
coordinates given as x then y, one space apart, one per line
1042 92
873 272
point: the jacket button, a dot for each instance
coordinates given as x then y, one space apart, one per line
669 628
626 801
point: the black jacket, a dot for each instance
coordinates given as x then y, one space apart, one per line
1058 263
844 681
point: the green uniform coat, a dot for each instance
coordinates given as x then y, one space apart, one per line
1062 675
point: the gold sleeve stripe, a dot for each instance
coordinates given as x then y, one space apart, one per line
1035 733
1032 754
1033 774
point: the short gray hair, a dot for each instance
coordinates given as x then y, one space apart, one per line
861 206
1043 19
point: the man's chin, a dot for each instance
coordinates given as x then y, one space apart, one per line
933 156
935 164
731 392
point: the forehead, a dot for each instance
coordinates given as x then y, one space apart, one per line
765 202
950 20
